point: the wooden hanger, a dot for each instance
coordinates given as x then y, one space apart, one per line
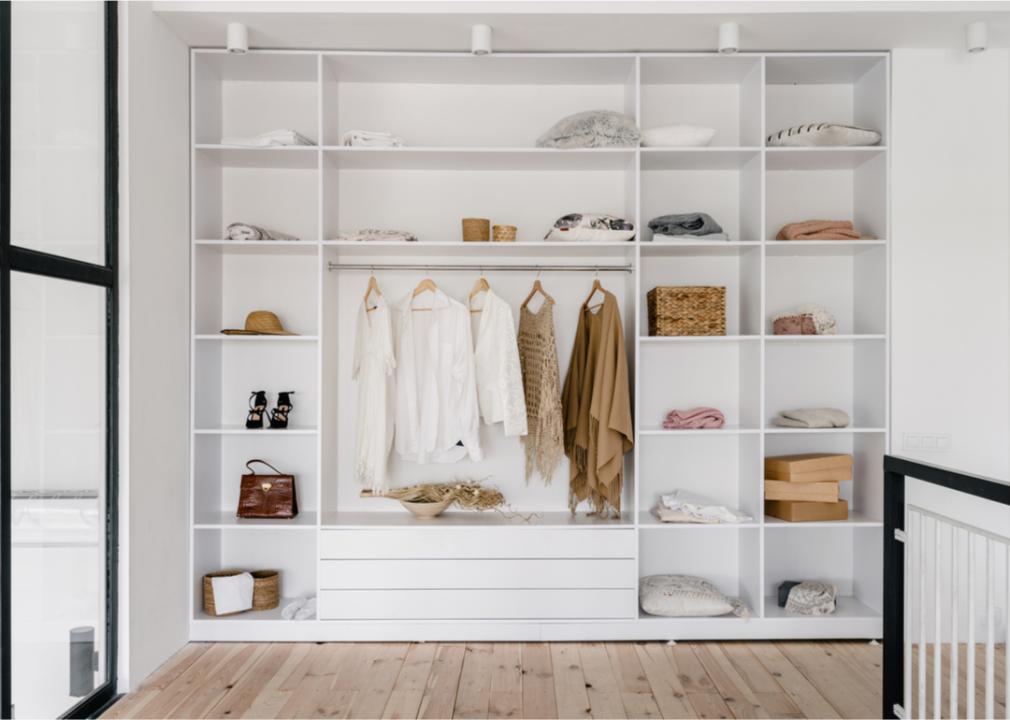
480 286
596 287
426 284
537 288
373 286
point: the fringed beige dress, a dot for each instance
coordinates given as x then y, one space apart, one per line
538 358
597 407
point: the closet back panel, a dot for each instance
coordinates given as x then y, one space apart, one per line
503 463
809 553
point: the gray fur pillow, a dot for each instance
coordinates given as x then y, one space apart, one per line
590 129
824 135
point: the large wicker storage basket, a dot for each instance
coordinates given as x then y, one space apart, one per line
266 589
687 310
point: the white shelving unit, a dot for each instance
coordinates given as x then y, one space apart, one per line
469 123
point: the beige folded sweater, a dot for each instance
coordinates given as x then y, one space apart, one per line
819 230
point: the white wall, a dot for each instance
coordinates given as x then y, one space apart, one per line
950 262
155 274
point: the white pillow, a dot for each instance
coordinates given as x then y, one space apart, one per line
677 136
685 596
824 135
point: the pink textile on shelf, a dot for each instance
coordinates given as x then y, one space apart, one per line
700 418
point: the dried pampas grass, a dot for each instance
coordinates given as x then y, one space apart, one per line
466 494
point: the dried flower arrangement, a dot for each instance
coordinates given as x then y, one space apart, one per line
430 499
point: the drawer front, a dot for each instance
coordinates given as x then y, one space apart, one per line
476 574
485 543
477 604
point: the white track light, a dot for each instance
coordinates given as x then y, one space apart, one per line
976 36
238 38
729 38
480 40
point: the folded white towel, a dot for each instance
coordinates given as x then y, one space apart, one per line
292 608
232 593
274 138
308 610
370 138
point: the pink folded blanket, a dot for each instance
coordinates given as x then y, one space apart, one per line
695 419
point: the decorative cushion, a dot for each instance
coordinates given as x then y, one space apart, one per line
677 136
587 227
590 129
824 135
811 598
685 596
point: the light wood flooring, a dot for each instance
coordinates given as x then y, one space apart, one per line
513 680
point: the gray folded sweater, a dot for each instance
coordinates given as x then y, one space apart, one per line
685 224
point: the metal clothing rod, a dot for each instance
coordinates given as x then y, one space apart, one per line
475 267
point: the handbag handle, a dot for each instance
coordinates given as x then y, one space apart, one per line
262 462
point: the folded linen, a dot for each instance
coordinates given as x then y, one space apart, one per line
665 514
370 138
274 138
232 593
812 418
301 608
824 135
697 223
246 231
695 419
660 237
677 136
700 508
372 234
819 230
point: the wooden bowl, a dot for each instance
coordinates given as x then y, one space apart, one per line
426 510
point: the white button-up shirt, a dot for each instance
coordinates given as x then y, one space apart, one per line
436 395
496 359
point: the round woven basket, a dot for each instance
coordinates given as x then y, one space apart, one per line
266 589
476 229
504 233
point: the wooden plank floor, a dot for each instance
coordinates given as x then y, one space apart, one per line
513 680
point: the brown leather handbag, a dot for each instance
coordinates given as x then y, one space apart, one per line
267 496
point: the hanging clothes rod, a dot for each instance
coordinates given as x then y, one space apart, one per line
475 267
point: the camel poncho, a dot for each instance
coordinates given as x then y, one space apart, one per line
597 410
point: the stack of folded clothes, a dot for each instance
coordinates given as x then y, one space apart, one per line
686 226
371 234
700 418
685 507
812 418
245 231
274 138
819 230
370 138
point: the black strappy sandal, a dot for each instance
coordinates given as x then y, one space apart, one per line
279 415
257 408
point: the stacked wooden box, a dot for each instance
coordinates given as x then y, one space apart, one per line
804 488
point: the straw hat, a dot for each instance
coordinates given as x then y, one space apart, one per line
260 322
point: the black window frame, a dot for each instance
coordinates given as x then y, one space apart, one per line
24 260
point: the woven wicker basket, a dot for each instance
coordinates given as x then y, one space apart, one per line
266 589
476 229
687 310
504 233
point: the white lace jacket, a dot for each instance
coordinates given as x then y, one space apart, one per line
496 356
436 396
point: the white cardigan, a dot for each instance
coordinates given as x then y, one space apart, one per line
496 357
436 394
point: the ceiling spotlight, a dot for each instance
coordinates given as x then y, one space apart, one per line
976 36
729 38
480 40
238 38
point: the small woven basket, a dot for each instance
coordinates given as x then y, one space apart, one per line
504 233
266 589
687 310
476 229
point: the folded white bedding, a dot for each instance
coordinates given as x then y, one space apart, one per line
274 138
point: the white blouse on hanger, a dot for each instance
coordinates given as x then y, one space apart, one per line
436 395
496 357
374 364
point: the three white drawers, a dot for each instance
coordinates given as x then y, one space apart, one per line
471 574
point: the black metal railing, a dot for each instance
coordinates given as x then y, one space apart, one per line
896 469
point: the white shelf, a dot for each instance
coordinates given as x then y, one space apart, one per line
242 430
820 158
697 158
401 518
725 430
805 339
646 520
854 520
221 337
305 520
822 248
678 339
273 614
824 431
479 158
297 157
471 250
845 608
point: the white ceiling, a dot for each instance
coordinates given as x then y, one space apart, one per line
578 25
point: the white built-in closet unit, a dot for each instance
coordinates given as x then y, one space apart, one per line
470 124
